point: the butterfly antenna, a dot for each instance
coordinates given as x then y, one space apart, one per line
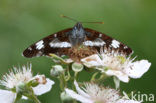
69 18
78 21
94 22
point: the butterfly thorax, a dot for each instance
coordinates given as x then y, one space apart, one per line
77 35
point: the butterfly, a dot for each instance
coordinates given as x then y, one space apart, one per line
64 40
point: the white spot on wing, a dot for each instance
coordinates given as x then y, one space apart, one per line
39 45
55 35
125 47
93 43
59 44
88 43
29 48
115 44
100 35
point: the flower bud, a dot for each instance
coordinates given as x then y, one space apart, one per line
77 67
65 97
56 70
20 87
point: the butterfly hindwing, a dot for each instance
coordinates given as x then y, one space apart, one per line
50 44
98 39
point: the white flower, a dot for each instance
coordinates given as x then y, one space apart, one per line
16 76
7 96
114 63
44 86
13 80
92 93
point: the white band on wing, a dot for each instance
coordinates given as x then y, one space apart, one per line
60 44
96 42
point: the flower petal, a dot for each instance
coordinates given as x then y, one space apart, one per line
43 88
78 97
80 91
121 76
68 61
7 96
24 97
127 101
92 61
138 68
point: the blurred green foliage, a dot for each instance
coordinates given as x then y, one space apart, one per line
23 22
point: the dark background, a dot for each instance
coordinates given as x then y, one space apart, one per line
23 22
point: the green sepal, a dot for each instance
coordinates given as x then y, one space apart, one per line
93 78
65 57
58 58
33 83
106 68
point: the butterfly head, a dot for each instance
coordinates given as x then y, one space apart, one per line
77 35
78 30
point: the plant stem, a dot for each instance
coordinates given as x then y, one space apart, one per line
67 78
74 101
62 82
35 99
75 75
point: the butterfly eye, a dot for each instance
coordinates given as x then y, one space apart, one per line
75 28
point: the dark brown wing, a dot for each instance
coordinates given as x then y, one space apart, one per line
44 46
109 42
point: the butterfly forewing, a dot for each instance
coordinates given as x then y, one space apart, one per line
98 39
49 44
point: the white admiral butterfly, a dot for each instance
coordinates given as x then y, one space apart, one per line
64 40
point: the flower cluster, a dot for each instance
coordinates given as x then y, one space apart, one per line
92 93
109 63
114 63
20 83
